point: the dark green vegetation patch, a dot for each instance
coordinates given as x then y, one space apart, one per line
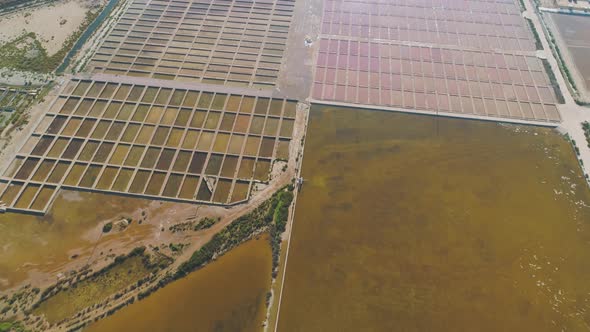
586 127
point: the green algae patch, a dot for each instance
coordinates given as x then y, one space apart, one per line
11 327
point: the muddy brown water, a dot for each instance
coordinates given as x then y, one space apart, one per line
246 168
252 144
229 166
204 193
173 185
283 149
197 162
222 191
169 116
141 113
221 142
227 295
155 184
574 30
235 144
175 137
262 169
267 146
271 126
205 141
257 124
212 120
190 139
189 187
27 196
412 223
214 164
227 122
240 191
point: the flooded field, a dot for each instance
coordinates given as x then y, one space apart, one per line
410 223
33 245
574 31
227 295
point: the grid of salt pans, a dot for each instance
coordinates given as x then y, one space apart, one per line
465 57
149 141
238 43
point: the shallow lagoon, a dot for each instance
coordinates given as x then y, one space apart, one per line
413 223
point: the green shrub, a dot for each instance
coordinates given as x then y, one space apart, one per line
107 227
11 327
205 223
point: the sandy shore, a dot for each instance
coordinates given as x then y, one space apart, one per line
53 23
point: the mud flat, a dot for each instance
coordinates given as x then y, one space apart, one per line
409 223
227 295
36 248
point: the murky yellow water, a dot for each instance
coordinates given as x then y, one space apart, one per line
227 295
410 223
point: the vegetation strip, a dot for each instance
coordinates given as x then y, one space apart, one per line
62 301
586 127
205 223
553 81
561 62
538 43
